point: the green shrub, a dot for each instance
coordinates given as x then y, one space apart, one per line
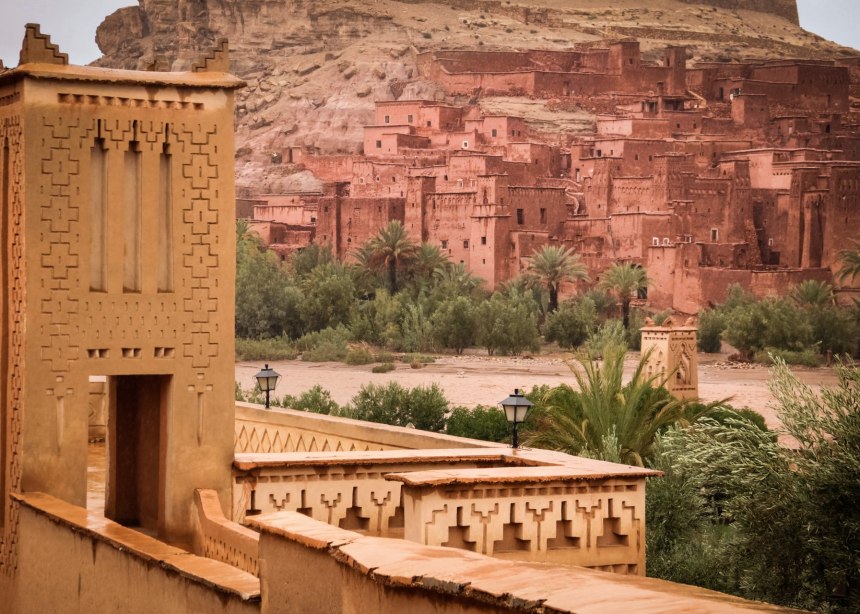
423 407
316 400
325 352
570 325
711 325
358 356
327 345
609 335
332 336
806 357
507 324
454 324
385 367
277 348
482 422
384 357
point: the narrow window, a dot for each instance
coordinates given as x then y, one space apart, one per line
444 244
131 220
379 144
494 132
483 240
387 119
408 119
98 217
543 215
466 244
165 223
715 234
520 217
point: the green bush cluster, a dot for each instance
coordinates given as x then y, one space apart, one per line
407 297
800 328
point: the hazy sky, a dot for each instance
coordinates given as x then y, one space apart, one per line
72 23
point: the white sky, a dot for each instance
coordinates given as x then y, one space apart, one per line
72 23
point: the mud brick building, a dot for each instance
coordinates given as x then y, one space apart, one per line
706 175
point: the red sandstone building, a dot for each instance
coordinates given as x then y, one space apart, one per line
717 174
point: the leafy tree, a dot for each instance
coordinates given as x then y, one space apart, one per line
606 418
553 265
571 324
483 422
711 325
454 324
329 295
507 324
308 258
608 336
267 303
769 323
624 280
392 248
416 329
792 516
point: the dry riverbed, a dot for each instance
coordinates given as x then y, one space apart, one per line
472 380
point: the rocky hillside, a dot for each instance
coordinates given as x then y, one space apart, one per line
314 67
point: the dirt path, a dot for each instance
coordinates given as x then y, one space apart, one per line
481 380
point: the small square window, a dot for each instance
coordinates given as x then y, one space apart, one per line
483 240
444 244
379 144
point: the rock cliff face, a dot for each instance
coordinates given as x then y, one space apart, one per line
314 67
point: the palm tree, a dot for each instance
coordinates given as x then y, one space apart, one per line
454 280
606 418
811 293
552 265
428 259
391 248
850 262
624 280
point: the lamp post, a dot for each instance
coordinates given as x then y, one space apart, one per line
267 379
516 408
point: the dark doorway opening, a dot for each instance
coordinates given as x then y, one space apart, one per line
136 451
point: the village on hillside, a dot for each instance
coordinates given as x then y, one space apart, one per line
705 175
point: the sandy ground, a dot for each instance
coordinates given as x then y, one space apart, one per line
481 380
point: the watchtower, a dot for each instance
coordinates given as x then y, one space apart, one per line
117 236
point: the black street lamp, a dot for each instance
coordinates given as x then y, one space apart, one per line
516 408
267 379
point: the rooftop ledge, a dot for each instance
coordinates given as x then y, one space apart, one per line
522 465
112 75
213 574
500 584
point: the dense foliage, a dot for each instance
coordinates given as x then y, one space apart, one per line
408 297
739 512
800 329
